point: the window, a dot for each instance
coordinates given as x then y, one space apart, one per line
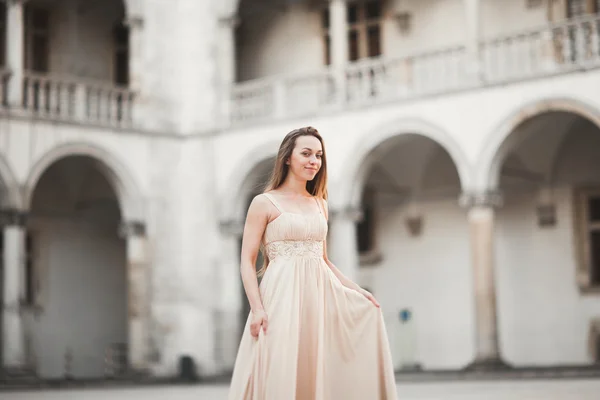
588 223
121 60
37 39
364 20
31 282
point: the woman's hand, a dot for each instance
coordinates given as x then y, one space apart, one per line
259 319
369 296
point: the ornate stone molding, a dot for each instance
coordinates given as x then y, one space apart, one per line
493 199
231 227
132 228
13 217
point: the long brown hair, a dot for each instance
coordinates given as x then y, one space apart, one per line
316 187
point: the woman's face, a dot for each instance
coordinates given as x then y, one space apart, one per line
306 157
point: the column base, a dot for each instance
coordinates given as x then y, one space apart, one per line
490 364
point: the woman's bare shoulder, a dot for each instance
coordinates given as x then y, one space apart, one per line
260 201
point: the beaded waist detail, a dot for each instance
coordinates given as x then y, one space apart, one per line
294 248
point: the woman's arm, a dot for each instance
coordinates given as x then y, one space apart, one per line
256 222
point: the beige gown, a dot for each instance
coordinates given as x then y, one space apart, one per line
324 341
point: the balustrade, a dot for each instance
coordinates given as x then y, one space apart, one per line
405 77
569 45
553 48
274 98
76 100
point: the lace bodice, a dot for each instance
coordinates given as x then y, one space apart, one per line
294 248
295 235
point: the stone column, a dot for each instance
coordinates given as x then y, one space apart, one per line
227 64
481 210
229 303
342 246
338 32
13 336
138 285
15 50
136 69
473 38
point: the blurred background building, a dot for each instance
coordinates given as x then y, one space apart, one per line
463 145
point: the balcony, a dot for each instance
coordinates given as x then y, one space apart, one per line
560 48
79 100
51 73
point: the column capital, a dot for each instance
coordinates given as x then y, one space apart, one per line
13 217
354 214
232 227
132 228
134 22
492 199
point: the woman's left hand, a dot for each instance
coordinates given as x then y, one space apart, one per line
369 296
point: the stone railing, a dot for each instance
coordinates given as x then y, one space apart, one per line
366 81
77 100
278 97
551 49
411 76
557 48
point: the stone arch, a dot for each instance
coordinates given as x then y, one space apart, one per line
233 199
500 142
351 187
125 187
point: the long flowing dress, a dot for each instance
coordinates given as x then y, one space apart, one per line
324 341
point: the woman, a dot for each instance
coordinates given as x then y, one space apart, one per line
312 333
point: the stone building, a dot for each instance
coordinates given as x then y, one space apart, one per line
462 138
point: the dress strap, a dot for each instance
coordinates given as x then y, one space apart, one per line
319 205
275 202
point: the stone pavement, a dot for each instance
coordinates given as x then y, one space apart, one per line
588 389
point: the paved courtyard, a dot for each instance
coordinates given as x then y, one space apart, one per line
505 390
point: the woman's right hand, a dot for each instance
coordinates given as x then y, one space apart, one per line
259 319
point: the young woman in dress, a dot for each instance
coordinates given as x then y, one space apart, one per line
312 333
